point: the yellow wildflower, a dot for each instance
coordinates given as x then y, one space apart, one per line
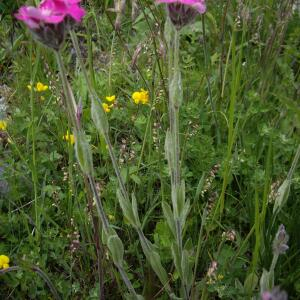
140 97
106 107
210 281
220 277
40 87
110 98
111 218
69 138
29 86
3 125
144 96
4 261
136 96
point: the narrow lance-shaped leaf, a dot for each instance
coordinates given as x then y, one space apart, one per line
99 117
83 153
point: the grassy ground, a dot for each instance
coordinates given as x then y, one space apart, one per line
239 133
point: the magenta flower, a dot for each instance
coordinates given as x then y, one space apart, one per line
182 12
47 21
34 17
65 8
198 5
50 12
274 294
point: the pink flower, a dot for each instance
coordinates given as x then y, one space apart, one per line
65 7
50 12
33 17
198 5
48 21
183 12
274 294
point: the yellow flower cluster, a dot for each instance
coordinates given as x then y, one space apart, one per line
211 280
111 99
107 107
69 138
40 87
4 261
140 97
3 125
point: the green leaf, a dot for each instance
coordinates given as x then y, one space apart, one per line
83 153
250 283
99 117
116 248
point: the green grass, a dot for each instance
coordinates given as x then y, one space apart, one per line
240 110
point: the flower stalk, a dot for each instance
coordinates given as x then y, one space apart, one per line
172 149
129 208
71 110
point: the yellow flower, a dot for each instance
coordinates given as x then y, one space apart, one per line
220 277
110 98
69 138
111 218
40 87
4 261
136 96
210 281
3 125
144 96
107 107
29 86
140 97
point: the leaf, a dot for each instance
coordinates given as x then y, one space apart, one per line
136 179
83 153
116 248
126 208
282 196
250 283
99 117
135 210
169 217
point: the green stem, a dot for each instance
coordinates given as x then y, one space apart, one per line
176 110
127 281
71 108
213 106
100 209
175 94
274 262
69 100
33 137
92 92
94 95
37 270
203 220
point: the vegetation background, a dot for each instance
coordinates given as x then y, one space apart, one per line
239 135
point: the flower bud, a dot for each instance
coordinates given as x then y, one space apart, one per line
280 242
183 12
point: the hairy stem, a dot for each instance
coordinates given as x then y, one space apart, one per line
71 108
121 182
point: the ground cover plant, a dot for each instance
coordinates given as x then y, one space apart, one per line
149 149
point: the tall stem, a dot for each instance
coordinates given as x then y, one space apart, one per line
71 109
176 110
175 99
121 182
34 174
94 95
